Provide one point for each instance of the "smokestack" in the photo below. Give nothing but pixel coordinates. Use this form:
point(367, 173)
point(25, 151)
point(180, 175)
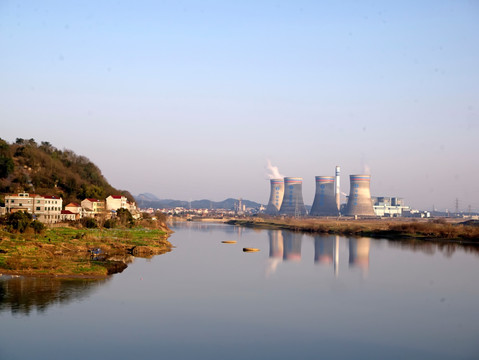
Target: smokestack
point(337, 191)
point(359, 201)
point(276, 197)
point(293, 204)
point(324, 201)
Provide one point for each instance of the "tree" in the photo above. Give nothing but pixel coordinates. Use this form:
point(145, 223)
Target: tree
point(6, 161)
point(124, 216)
point(19, 221)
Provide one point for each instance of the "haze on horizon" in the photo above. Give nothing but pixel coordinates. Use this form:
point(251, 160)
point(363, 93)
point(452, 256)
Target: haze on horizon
point(189, 100)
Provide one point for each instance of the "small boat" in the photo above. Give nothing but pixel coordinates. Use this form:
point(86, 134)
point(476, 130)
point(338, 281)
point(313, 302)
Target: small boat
point(229, 241)
point(250, 249)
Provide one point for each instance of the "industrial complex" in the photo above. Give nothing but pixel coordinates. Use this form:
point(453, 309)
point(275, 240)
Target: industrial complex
point(286, 198)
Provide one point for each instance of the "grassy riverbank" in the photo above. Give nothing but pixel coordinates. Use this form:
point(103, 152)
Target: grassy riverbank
point(394, 228)
point(71, 252)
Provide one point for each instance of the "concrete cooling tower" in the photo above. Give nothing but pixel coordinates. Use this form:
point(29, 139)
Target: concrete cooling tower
point(359, 201)
point(293, 204)
point(276, 197)
point(324, 203)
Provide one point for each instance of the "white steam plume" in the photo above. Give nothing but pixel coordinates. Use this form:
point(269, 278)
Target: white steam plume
point(273, 171)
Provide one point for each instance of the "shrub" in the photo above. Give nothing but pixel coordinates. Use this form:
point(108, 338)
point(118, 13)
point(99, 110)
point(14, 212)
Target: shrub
point(89, 222)
point(109, 224)
point(37, 226)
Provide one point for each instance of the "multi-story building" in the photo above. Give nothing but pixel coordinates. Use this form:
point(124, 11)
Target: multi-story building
point(46, 209)
point(115, 202)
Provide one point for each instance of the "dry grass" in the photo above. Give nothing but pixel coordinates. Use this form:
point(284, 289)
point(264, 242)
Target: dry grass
point(424, 229)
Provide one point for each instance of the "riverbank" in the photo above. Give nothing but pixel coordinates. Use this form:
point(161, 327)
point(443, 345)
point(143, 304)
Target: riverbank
point(467, 232)
point(78, 253)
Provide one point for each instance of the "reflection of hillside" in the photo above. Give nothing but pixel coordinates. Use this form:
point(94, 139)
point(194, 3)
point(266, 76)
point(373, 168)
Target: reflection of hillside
point(430, 247)
point(21, 295)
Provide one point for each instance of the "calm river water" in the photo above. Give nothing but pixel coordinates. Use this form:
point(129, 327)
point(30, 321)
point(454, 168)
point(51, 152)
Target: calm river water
point(300, 297)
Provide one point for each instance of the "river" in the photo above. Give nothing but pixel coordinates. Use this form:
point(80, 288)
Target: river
point(300, 296)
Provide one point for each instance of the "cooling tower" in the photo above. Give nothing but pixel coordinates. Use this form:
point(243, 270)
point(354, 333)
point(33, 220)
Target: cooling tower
point(293, 204)
point(276, 197)
point(359, 201)
point(324, 203)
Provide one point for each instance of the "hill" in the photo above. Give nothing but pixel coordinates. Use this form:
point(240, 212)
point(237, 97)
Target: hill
point(152, 201)
point(46, 170)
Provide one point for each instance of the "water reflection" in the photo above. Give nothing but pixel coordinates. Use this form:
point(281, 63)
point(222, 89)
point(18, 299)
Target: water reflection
point(326, 251)
point(292, 245)
point(22, 295)
point(359, 252)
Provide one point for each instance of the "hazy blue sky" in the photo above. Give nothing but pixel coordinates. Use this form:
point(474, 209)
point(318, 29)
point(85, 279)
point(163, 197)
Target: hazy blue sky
point(188, 99)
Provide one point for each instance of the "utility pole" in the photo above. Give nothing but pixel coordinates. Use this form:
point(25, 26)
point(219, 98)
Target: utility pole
point(457, 206)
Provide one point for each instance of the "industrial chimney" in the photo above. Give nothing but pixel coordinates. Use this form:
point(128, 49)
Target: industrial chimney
point(359, 201)
point(337, 191)
point(293, 204)
point(324, 203)
point(276, 197)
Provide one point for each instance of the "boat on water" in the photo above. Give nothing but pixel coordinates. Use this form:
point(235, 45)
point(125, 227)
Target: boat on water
point(250, 249)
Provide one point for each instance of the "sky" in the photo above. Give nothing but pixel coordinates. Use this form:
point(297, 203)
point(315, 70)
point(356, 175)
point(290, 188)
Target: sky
point(190, 99)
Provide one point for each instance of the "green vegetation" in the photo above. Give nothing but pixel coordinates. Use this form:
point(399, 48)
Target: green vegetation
point(21, 222)
point(392, 229)
point(71, 252)
point(44, 169)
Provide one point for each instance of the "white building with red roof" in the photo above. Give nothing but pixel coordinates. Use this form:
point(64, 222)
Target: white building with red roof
point(115, 202)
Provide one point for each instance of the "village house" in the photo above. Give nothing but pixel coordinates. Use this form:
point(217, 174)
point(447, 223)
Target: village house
point(93, 207)
point(67, 215)
point(76, 209)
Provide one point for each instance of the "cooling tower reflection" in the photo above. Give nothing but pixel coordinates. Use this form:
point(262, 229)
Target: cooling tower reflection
point(292, 245)
point(326, 251)
point(286, 246)
point(359, 252)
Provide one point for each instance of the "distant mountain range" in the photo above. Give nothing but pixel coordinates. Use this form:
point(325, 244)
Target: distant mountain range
point(147, 200)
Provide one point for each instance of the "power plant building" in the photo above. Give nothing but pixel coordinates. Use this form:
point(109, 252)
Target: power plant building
point(324, 203)
point(293, 204)
point(359, 200)
point(276, 197)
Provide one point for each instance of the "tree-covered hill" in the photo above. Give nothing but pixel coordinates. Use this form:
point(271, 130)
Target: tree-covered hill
point(46, 170)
